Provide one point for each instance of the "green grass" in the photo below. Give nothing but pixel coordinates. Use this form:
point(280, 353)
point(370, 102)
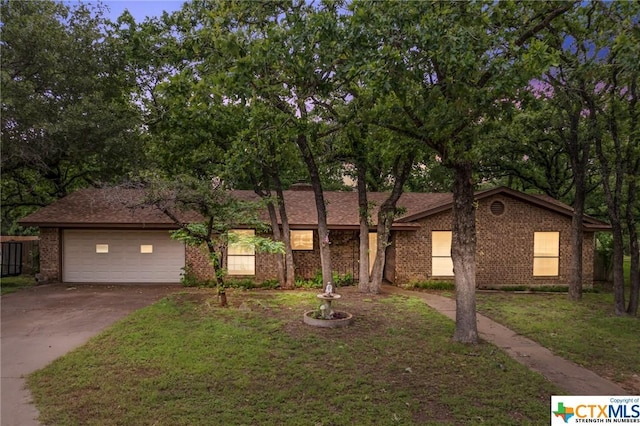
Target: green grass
point(13, 284)
point(432, 285)
point(586, 332)
point(185, 361)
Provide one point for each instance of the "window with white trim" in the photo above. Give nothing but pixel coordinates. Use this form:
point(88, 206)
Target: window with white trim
point(546, 254)
point(102, 248)
point(146, 248)
point(241, 256)
point(441, 263)
point(301, 240)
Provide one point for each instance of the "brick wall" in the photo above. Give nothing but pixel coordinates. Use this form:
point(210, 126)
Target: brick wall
point(413, 249)
point(504, 245)
point(344, 255)
point(197, 262)
point(50, 255)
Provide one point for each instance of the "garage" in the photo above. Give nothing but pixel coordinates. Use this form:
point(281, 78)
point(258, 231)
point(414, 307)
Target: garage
point(110, 256)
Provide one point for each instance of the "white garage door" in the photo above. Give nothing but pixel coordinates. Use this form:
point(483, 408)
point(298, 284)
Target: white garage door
point(121, 257)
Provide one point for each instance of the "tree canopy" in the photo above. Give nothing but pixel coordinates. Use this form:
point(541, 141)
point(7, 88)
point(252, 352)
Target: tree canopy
point(67, 116)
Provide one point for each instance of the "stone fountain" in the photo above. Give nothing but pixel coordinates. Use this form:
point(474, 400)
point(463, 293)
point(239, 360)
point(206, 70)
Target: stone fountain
point(326, 316)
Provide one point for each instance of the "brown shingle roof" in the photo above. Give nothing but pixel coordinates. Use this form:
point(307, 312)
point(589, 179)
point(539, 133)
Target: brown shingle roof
point(104, 207)
point(342, 207)
point(114, 207)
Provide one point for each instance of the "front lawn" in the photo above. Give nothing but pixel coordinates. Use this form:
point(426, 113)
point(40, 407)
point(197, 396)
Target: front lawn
point(585, 332)
point(185, 361)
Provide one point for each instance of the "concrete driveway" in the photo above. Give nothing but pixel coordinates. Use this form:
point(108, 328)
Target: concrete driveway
point(43, 323)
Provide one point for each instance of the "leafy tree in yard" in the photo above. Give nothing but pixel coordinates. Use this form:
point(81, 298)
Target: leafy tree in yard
point(572, 81)
point(613, 113)
point(66, 117)
point(447, 69)
point(263, 155)
point(269, 52)
point(553, 144)
point(220, 212)
point(199, 125)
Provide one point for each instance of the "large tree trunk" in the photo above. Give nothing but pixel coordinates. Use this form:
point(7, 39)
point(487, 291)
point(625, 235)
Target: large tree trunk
point(577, 242)
point(277, 236)
point(262, 189)
point(613, 170)
point(323, 231)
point(386, 215)
point(290, 277)
point(363, 207)
point(613, 198)
point(578, 157)
point(618, 268)
point(463, 251)
point(216, 257)
point(385, 220)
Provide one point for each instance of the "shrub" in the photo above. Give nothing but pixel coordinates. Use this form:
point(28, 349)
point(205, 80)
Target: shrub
point(509, 288)
point(243, 283)
point(271, 284)
point(337, 280)
point(312, 283)
point(342, 280)
point(433, 285)
point(188, 277)
point(551, 288)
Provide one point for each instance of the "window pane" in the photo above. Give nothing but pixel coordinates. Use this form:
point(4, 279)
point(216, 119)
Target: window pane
point(545, 267)
point(242, 248)
point(441, 243)
point(546, 244)
point(102, 248)
point(241, 258)
point(441, 267)
point(241, 265)
point(146, 248)
point(301, 240)
point(373, 247)
point(441, 263)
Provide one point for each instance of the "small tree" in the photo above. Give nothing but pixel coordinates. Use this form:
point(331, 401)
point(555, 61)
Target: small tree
point(218, 213)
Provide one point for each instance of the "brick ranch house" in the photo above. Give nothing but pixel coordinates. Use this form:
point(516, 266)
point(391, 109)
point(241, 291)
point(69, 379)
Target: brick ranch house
point(94, 236)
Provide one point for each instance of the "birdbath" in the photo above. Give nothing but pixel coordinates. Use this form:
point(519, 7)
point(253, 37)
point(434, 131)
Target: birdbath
point(327, 316)
point(327, 297)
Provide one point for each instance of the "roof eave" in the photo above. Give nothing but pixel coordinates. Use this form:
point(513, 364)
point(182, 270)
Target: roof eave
point(77, 225)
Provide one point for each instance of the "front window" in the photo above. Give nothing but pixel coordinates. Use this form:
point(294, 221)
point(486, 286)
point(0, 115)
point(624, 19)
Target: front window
point(546, 254)
point(241, 256)
point(441, 263)
point(301, 240)
point(373, 249)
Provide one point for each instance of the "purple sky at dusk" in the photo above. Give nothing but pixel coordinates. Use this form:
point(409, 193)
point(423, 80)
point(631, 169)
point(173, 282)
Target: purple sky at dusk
point(138, 8)
point(142, 8)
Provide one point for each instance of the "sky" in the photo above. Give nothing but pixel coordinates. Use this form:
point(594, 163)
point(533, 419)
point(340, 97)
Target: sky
point(139, 8)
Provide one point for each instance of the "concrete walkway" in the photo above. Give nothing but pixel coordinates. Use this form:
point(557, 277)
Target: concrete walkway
point(45, 322)
point(575, 380)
